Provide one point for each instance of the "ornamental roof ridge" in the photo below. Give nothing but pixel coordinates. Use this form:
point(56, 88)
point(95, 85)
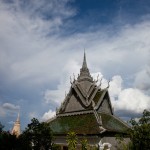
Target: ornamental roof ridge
point(126, 124)
point(75, 113)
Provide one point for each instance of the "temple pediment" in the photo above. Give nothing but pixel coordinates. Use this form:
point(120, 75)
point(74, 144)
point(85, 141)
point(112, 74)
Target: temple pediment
point(85, 94)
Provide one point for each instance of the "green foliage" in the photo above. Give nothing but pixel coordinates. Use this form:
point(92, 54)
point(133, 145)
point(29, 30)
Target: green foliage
point(56, 147)
point(8, 141)
point(38, 135)
point(84, 144)
point(72, 140)
point(1, 127)
point(139, 134)
point(122, 144)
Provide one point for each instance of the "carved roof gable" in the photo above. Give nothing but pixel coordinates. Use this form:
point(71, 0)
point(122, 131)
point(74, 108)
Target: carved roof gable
point(84, 93)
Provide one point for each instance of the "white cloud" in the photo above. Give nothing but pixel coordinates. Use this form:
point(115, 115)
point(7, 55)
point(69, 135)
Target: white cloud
point(127, 100)
point(132, 100)
point(48, 115)
point(11, 107)
point(115, 85)
point(142, 79)
point(24, 39)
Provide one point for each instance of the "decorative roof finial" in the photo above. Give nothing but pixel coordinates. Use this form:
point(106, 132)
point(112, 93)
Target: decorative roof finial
point(108, 84)
point(84, 65)
point(84, 71)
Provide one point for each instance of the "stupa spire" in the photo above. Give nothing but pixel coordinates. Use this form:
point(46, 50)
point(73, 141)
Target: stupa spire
point(16, 127)
point(18, 118)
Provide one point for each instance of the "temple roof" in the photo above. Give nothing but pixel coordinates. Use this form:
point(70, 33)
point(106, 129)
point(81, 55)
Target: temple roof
point(86, 123)
point(87, 108)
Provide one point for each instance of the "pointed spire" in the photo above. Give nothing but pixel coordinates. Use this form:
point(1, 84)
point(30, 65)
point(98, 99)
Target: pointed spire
point(18, 118)
point(84, 65)
point(84, 71)
point(16, 127)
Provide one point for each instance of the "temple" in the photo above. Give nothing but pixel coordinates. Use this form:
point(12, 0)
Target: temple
point(87, 110)
point(16, 127)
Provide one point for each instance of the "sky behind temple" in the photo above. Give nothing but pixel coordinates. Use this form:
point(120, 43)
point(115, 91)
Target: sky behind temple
point(42, 44)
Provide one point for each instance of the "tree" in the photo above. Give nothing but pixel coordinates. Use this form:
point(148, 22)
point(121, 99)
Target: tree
point(7, 141)
point(1, 128)
point(72, 140)
point(140, 132)
point(37, 136)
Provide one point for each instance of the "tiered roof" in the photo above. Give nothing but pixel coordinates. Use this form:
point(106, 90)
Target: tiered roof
point(87, 108)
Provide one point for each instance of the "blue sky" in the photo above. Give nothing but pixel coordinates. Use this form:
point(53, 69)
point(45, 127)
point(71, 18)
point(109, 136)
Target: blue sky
point(42, 44)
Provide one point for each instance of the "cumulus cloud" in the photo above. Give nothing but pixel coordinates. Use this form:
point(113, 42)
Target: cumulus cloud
point(133, 100)
point(48, 115)
point(127, 101)
point(115, 85)
point(10, 106)
point(142, 79)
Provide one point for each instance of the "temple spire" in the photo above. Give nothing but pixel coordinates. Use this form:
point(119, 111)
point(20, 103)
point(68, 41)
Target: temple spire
point(18, 118)
point(16, 127)
point(84, 65)
point(84, 71)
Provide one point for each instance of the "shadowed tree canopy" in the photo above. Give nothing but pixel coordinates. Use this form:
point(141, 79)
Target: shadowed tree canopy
point(38, 135)
point(140, 132)
point(1, 127)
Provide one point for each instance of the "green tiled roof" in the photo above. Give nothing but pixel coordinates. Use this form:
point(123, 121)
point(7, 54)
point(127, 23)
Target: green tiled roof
point(81, 124)
point(86, 124)
point(113, 123)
